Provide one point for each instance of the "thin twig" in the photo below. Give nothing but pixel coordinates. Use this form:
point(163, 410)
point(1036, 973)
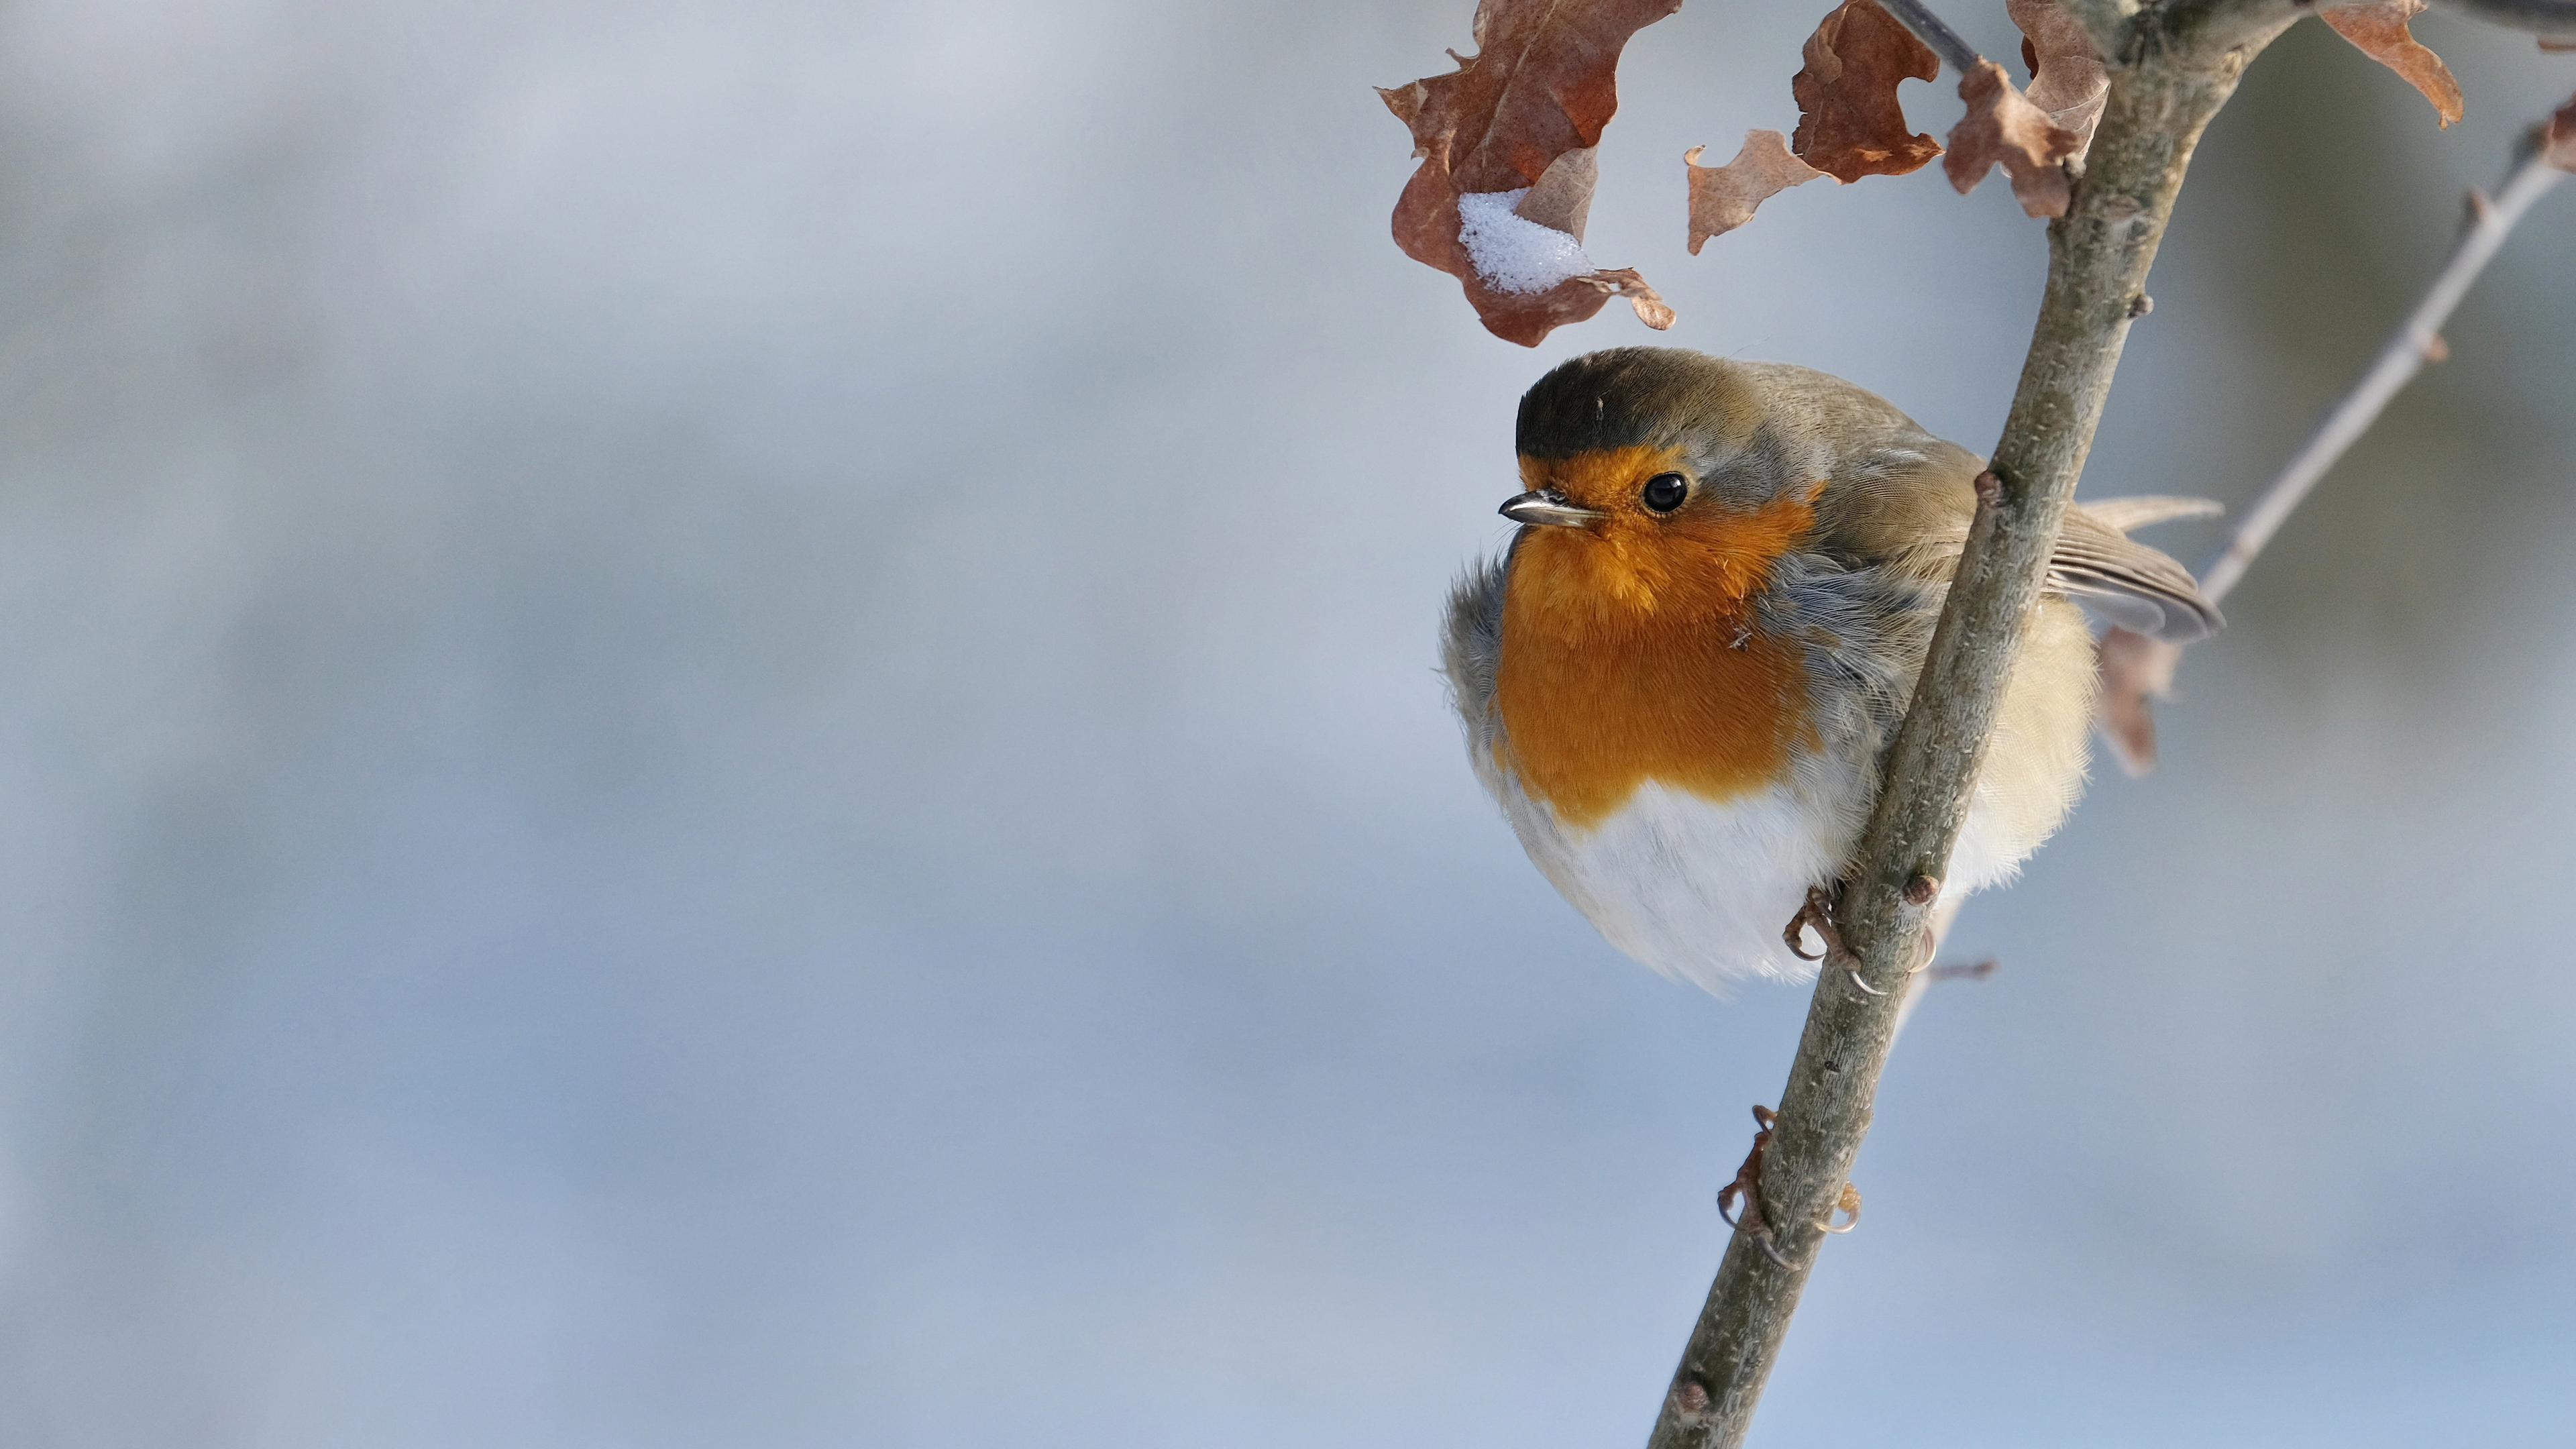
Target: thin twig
point(2542, 17)
point(2214, 25)
point(1929, 28)
point(2417, 340)
point(2137, 670)
point(2099, 254)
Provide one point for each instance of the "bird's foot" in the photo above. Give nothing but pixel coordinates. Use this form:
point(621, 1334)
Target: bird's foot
point(1817, 915)
point(1849, 1206)
point(1747, 1188)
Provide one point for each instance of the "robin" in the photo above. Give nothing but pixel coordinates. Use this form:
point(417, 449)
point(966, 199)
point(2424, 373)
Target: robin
point(1680, 678)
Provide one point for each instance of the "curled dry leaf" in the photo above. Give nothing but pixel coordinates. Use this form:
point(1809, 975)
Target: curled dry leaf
point(1722, 198)
point(2135, 670)
point(1506, 176)
point(2002, 128)
point(1849, 123)
point(2380, 30)
point(2068, 79)
point(2560, 136)
point(1649, 305)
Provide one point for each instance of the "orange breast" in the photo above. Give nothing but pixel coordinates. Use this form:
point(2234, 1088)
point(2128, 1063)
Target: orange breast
point(1630, 654)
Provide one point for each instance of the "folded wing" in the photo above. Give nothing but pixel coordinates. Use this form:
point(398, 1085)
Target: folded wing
point(2136, 587)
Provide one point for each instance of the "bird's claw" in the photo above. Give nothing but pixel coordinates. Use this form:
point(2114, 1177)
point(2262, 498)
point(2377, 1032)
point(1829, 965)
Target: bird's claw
point(1747, 1189)
point(1816, 915)
point(1849, 1206)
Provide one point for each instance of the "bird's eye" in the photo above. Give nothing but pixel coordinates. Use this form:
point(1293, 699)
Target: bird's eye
point(1665, 491)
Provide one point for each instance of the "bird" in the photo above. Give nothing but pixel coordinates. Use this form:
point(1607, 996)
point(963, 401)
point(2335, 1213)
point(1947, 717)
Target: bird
point(1681, 677)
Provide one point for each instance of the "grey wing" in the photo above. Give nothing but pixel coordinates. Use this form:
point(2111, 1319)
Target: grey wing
point(2141, 589)
point(1471, 646)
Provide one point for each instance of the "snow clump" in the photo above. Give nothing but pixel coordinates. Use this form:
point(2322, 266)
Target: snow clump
point(1512, 253)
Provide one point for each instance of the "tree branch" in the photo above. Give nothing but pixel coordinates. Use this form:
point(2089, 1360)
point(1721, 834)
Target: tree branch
point(2111, 23)
point(2136, 669)
point(2209, 27)
point(1933, 31)
point(2416, 341)
point(2541, 17)
point(2099, 253)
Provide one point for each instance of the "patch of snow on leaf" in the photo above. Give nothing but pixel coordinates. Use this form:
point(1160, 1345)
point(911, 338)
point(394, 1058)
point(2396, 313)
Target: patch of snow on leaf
point(1512, 253)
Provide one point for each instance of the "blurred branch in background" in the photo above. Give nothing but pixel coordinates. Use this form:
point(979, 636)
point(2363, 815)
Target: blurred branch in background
point(2137, 670)
point(2549, 19)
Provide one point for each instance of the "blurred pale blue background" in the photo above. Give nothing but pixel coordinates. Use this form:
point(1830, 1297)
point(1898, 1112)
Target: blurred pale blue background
point(719, 731)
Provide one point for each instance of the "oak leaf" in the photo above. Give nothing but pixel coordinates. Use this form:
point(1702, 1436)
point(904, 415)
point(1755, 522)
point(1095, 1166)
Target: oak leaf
point(1849, 122)
point(1722, 198)
point(2135, 670)
point(1506, 143)
point(2002, 128)
point(2068, 79)
point(2379, 29)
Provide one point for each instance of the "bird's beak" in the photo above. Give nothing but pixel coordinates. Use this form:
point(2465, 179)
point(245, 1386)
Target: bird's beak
point(1547, 506)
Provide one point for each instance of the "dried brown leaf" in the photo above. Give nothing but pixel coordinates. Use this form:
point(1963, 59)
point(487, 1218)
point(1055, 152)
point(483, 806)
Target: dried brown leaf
point(2379, 29)
point(1562, 198)
point(2560, 138)
point(1849, 122)
point(1648, 304)
point(2002, 128)
point(1722, 198)
point(1522, 114)
point(2135, 670)
point(2068, 79)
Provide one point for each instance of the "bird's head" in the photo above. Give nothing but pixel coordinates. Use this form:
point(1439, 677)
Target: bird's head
point(1662, 483)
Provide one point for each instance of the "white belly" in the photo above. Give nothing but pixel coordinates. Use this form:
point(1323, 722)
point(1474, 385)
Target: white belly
point(1701, 890)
